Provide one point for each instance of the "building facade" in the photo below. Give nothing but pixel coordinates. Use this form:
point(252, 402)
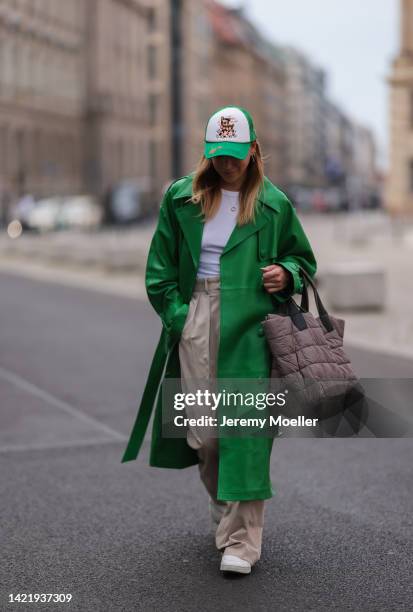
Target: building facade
point(42, 96)
point(196, 85)
point(305, 121)
point(119, 65)
point(363, 185)
point(95, 92)
point(84, 96)
point(399, 189)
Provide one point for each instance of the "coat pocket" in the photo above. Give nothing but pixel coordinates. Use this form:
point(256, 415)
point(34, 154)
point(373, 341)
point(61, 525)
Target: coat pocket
point(186, 331)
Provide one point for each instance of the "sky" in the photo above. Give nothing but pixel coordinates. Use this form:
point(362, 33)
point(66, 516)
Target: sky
point(354, 41)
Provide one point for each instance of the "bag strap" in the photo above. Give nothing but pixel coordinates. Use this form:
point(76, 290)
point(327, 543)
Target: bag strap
point(322, 312)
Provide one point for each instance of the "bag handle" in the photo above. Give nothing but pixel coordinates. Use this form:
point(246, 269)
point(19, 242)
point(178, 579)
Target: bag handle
point(295, 311)
point(322, 312)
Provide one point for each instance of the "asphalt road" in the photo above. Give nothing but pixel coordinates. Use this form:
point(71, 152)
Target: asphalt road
point(73, 362)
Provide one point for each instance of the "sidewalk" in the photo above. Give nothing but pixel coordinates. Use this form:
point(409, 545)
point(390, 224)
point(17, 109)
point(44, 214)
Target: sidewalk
point(370, 237)
point(114, 261)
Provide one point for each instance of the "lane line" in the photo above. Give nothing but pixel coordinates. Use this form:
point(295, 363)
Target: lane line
point(21, 448)
point(47, 397)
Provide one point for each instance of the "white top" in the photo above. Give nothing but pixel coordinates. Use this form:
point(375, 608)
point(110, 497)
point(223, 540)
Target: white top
point(216, 234)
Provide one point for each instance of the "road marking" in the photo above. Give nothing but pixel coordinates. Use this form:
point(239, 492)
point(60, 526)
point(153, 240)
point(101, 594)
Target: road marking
point(47, 397)
point(21, 448)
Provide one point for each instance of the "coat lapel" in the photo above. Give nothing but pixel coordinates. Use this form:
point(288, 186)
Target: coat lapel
point(192, 222)
point(241, 232)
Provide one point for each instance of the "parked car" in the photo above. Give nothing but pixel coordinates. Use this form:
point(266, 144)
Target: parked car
point(81, 211)
point(45, 214)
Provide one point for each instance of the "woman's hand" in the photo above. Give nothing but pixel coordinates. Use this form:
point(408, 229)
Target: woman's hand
point(275, 278)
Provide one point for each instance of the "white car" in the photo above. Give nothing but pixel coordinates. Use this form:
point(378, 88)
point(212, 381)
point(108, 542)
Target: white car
point(50, 214)
point(45, 214)
point(81, 211)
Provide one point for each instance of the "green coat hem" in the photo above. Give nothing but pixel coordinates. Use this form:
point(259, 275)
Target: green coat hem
point(241, 495)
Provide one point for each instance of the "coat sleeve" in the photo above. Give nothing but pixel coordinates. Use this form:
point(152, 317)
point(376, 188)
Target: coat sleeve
point(294, 252)
point(161, 275)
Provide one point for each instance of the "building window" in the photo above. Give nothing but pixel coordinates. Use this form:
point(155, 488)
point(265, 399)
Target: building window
point(151, 62)
point(152, 159)
point(411, 108)
point(152, 108)
point(411, 176)
point(151, 19)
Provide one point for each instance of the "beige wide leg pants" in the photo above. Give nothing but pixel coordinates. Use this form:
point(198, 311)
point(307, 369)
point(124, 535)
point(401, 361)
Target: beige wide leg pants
point(240, 529)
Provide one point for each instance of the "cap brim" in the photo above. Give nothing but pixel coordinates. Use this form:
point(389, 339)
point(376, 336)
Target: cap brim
point(234, 149)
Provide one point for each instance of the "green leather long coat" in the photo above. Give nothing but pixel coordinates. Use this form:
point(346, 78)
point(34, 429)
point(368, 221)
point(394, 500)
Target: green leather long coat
point(276, 236)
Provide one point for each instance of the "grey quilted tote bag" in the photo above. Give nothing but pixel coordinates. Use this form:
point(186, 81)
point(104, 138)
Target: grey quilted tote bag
point(308, 359)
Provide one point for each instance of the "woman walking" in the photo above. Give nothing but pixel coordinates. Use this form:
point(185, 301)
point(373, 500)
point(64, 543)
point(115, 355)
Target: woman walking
point(227, 250)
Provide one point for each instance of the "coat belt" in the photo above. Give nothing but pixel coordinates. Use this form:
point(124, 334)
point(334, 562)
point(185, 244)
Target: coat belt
point(148, 400)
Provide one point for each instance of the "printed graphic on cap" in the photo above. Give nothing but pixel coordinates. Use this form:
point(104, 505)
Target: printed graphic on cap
point(228, 124)
point(226, 128)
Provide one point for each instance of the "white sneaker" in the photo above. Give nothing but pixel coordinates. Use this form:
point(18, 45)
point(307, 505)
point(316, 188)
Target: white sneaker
point(216, 511)
point(231, 563)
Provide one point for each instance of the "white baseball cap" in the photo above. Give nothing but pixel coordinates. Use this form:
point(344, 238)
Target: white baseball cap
point(229, 131)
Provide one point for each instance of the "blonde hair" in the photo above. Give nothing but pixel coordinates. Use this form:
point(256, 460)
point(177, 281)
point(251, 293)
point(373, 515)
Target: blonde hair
point(206, 189)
